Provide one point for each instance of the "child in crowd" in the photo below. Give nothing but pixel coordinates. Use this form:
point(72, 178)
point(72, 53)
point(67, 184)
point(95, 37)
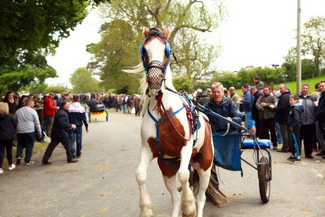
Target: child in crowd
point(294, 121)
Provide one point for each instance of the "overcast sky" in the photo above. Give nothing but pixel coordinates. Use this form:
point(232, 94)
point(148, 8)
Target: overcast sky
point(257, 32)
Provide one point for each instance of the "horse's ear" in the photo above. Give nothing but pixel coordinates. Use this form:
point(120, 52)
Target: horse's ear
point(166, 32)
point(146, 31)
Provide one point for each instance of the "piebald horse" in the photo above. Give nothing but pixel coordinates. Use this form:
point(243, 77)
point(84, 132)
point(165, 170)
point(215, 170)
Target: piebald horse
point(166, 133)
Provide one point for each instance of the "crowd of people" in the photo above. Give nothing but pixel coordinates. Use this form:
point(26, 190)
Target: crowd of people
point(277, 115)
point(55, 116)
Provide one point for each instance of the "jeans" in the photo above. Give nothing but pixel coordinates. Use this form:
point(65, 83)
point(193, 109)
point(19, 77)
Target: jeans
point(279, 137)
point(124, 109)
point(76, 135)
point(25, 140)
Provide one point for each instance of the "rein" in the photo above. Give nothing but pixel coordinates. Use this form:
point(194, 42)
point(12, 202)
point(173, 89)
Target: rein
point(158, 122)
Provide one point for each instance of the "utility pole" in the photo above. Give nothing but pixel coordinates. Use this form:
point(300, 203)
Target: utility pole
point(298, 68)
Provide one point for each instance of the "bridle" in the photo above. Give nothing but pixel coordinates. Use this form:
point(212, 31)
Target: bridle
point(155, 70)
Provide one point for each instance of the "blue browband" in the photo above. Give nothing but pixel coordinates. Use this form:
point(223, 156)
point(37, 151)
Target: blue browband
point(154, 31)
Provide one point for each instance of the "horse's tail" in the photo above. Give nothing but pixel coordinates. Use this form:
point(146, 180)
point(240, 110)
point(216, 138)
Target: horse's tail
point(213, 194)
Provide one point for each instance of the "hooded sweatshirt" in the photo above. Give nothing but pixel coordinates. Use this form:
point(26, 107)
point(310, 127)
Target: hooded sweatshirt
point(77, 115)
point(295, 115)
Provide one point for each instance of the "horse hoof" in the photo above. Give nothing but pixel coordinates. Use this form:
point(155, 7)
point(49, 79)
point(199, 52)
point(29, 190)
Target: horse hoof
point(192, 215)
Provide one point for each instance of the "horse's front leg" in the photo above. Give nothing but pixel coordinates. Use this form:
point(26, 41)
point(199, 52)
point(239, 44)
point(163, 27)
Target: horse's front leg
point(169, 174)
point(188, 201)
point(141, 176)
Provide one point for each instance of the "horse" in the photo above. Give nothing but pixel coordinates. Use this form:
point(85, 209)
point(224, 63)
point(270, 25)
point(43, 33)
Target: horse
point(168, 132)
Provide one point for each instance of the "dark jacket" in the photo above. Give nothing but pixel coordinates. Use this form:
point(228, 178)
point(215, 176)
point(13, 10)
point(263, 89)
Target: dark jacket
point(309, 109)
point(13, 107)
point(295, 115)
point(61, 125)
point(227, 108)
point(7, 126)
point(282, 109)
point(92, 105)
point(255, 111)
point(320, 114)
point(203, 99)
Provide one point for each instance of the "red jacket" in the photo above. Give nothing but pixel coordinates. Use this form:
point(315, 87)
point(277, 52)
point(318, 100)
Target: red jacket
point(49, 107)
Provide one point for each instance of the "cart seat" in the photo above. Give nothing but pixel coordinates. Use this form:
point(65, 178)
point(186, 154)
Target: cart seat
point(249, 143)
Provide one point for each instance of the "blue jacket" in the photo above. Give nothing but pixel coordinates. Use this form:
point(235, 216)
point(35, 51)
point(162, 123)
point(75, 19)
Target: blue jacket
point(248, 101)
point(77, 115)
point(227, 108)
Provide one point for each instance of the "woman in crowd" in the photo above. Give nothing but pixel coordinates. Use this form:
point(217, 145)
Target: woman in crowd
point(9, 98)
point(7, 129)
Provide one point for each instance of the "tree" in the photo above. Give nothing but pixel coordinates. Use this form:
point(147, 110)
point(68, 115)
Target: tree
point(59, 88)
point(313, 41)
point(29, 31)
point(82, 81)
point(183, 83)
point(31, 25)
point(112, 54)
point(188, 20)
point(17, 71)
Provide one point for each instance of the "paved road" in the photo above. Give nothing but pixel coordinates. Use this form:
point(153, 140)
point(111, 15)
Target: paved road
point(103, 182)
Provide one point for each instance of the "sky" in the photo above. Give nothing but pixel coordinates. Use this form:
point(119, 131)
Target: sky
point(256, 32)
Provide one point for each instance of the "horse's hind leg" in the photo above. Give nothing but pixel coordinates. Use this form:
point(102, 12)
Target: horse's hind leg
point(141, 176)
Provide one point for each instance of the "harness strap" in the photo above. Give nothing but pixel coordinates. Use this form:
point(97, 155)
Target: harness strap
point(157, 130)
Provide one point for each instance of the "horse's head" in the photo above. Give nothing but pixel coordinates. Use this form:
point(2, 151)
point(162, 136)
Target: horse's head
point(155, 52)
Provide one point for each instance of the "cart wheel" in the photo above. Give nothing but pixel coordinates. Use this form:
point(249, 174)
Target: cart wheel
point(106, 116)
point(89, 117)
point(264, 179)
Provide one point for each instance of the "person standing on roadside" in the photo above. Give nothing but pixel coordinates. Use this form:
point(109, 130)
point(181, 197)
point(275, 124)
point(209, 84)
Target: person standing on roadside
point(247, 101)
point(264, 104)
point(307, 132)
point(60, 133)
point(7, 132)
point(27, 123)
point(258, 83)
point(255, 112)
point(234, 96)
point(77, 116)
point(49, 113)
point(294, 122)
point(9, 98)
point(281, 116)
point(320, 114)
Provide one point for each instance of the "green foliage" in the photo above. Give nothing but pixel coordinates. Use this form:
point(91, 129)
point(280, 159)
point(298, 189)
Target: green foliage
point(29, 31)
point(31, 25)
point(82, 81)
point(60, 88)
point(36, 87)
point(114, 53)
point(313, 40)
point(18, 71)
point(183, 83)
point(187, 22)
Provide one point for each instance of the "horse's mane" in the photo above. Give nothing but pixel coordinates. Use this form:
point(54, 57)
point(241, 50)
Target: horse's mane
point(138, 69)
